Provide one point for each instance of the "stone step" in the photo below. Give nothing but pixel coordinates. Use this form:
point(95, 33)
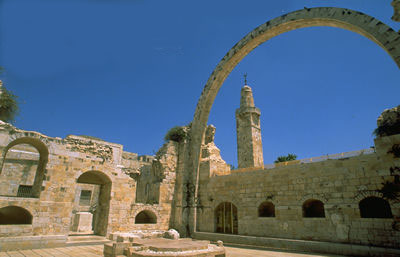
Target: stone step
point(81, 233)
point(78, 240)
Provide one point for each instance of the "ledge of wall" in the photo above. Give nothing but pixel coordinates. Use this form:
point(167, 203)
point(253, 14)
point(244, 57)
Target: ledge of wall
point(299, 245)
point(31, 242)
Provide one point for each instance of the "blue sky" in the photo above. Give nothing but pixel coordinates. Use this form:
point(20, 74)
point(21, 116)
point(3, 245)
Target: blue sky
point(128, 70)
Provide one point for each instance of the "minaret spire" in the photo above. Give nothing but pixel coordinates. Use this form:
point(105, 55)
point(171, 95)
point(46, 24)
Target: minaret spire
point(249, 143)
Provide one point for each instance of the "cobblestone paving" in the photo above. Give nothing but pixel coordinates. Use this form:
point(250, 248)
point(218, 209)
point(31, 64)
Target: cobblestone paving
point(97, 250)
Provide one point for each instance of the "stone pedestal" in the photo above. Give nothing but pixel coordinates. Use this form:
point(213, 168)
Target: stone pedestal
point(83, 222)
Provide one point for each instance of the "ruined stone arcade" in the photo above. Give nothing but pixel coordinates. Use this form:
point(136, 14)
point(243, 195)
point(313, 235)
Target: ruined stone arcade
point(52, 187)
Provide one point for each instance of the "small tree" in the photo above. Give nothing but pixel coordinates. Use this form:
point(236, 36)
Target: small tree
point(177, 134)
point(8, 105)
point(287, 158)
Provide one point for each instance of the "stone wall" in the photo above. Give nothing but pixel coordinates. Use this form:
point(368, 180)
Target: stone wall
point(66, 166)
point(339, 184)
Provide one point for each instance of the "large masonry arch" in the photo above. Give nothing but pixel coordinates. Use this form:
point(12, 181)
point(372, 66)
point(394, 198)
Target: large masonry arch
point(355, 21)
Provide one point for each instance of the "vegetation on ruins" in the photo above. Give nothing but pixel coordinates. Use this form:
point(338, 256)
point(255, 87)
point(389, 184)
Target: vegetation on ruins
point(8, 105)
point(286, 158)
point(390, 190)
point(177, 134)
point(388, 123)
point(388, 129)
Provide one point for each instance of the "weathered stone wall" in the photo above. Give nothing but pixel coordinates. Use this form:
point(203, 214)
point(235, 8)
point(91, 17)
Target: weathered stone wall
point(156, 185)
point(62, 162)
point(340, 184)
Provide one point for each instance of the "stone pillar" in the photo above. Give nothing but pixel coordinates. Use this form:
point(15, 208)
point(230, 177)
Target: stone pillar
point(248, 130)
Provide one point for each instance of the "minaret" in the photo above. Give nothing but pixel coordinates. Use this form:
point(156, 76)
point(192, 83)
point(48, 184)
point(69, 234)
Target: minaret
point(248, 130)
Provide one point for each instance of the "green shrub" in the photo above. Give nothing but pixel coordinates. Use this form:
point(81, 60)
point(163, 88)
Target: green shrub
point(177, 134)
point(287, 158)
point(8, 105)
point(387, 129)
point(388, 123)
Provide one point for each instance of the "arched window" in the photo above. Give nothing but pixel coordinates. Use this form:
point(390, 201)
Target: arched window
point(146, 217)
point(375, 207)
point(266, 209)
point(313, 209)
point(23, 163)
point(14, 215)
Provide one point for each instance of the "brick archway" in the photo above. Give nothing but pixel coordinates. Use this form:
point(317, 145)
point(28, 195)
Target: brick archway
point(355, 21)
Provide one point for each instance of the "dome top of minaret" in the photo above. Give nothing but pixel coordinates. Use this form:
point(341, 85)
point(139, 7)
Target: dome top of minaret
point(246, 95)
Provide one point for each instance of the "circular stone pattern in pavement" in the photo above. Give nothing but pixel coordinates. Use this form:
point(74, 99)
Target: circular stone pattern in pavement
point(171, 248)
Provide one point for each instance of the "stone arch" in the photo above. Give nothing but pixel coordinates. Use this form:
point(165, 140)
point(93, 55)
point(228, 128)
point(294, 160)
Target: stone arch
point(102, 209)
point(362, 194)
point(320, 197)
point(146, 217)
point(220, 199)
point(94, 177)
point(149, 208)
point(355, 21)
point(15, 215)
point(43, 159)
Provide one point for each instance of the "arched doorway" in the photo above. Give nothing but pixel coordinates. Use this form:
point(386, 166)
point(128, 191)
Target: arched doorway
point(355, 21)
point(226, 218)
point(92, 203)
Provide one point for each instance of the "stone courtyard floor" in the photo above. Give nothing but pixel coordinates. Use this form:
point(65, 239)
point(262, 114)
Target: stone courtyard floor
point(97, 250)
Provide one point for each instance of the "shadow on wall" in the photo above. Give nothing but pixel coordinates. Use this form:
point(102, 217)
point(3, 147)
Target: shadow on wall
point(14, 215)
point(146, 217)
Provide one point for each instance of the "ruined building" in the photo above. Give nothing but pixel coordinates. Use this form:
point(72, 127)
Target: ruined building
point(345, 203)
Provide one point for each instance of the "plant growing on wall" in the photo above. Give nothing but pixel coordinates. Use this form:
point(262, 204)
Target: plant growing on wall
point(395, 150)
point(388, 123)
point(177, 134)
point(286, 158)
point(390, 190)
point(8, 105)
